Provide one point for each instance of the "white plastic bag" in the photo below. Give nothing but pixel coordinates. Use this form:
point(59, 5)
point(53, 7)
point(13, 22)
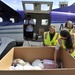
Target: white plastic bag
point(38, 63)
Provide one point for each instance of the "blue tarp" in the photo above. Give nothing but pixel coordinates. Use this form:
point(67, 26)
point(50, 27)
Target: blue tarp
point(63, 14)
point(70, 9)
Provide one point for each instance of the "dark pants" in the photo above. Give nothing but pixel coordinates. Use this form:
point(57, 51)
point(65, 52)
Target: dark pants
point(28, 35)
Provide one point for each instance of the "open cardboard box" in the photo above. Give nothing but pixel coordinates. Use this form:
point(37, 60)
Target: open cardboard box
point(30, 54)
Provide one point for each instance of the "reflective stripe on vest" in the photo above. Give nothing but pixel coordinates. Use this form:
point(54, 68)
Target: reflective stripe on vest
point(45, 35)
point(57, 36)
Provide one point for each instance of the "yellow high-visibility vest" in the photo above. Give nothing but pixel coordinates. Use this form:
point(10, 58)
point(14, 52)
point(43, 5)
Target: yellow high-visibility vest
point(72, 31)
point(60, 43)
point(47, 39)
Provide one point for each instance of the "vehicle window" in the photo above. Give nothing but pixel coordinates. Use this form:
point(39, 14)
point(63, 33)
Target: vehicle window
point(44, 22)
point(12, 20)
point(29, 6)
point(45, 7)
point(1, 20)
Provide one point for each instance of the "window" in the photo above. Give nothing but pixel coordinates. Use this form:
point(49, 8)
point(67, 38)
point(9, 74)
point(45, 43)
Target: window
point(12, 20)
point(1, 20)
point(29, 6)
point(45, 7)
point(33, 20)
point(44, 22)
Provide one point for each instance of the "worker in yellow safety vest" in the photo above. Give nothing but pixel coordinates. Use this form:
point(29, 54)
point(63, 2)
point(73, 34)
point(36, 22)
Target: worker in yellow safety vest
point(50, 37)
point(67, 42)
point(69, 25)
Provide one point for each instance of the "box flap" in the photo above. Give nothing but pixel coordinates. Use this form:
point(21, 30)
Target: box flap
point(67, 60)
point(6, 61)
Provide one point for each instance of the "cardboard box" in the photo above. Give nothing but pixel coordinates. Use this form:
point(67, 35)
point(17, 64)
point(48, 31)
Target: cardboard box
point(30, 54)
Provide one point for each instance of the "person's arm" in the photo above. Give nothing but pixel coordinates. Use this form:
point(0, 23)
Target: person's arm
point(32, 22)
point(25, 24)
point(55, 58)
point(55, 55)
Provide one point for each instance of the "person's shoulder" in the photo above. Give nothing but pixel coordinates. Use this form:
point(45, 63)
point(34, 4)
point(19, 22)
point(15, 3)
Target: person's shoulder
point(57, 34)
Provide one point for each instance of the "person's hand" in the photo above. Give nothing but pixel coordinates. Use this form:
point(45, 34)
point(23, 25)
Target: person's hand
point(55, 65)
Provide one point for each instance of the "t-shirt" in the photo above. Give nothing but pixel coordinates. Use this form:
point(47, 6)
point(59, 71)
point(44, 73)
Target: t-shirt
point(51, 36)
point(29, 28)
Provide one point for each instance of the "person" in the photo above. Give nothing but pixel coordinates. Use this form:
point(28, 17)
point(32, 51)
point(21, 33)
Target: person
point(66, 41)
point(29, 24)
point(69, 25)
point(50, 37)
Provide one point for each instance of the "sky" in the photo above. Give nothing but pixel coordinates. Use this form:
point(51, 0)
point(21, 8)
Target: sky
point(17, 4)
